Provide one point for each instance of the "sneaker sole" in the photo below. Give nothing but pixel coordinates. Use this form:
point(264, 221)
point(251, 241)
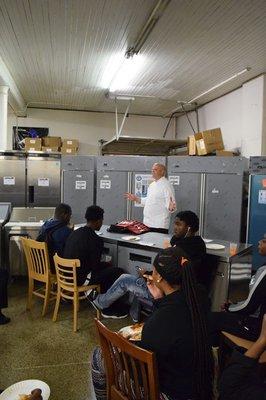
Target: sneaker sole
point(114, 316)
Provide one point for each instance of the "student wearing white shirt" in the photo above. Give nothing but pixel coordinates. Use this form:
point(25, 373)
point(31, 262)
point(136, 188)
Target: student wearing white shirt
point(160, 200)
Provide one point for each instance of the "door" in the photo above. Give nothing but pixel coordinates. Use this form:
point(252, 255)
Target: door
point(222, 206)
point(13, 180)
point(187, 186)
point(139, 187)
point(111, 186)
point(78, 192)
point(43, 183)
point(257, 216)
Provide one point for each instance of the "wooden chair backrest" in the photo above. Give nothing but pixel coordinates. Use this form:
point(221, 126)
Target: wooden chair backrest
point(131, 371)
point(66, 272)
point(37, 258)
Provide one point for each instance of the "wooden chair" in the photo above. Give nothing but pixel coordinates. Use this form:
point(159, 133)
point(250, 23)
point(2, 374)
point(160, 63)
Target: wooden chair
point(38, 264)
point(67, 287)
point(131, 371)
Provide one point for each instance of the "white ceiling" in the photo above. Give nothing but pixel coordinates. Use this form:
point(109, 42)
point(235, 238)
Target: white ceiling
point(58, 51)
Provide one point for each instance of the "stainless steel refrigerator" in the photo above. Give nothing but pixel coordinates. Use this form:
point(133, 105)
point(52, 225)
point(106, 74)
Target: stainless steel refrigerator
point(117, 175)
point(13, 178)
point(78, 184)
point(257, 207)
point(212, 187)
point(43, 180)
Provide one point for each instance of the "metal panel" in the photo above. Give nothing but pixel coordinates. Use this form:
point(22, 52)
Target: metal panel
point(111, 186)
point(77, 191)
point(222, 207)
point(13, 180)
point(128, 163)
point(210, 164)
point(129, 259)
point(77, 163)
point(43, 183)
point(187, 193)
point(257, 216)
point(136, 210)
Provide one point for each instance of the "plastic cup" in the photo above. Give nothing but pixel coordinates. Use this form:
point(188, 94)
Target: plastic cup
point(233, 249)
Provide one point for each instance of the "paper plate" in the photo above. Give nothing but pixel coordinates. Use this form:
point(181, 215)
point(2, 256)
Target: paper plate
point(25, 387)
point(215, 246)
point(133, 238)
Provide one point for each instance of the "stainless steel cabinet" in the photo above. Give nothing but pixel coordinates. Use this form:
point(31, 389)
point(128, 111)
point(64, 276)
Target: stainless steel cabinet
point(43, 181)
point(120, 174)
point(13, 179)
point(212, 187)
point(78, 177)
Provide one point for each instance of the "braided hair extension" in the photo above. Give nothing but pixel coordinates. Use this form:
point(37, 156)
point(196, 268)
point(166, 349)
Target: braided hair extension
point(169, 264)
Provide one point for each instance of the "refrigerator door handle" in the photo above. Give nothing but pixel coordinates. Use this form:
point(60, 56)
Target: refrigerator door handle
point(129, 187)
point(31, 194)
point(202, 203)
point(248, 210)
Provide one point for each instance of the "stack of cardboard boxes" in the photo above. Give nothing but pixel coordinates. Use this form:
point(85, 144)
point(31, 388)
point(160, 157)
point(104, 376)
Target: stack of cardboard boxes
point(207, 142)
point(70, 146)
point(52, 144)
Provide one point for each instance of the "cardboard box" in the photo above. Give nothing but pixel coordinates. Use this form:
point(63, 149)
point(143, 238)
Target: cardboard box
point(52, 141)
point(224, 153)
point(74, 143)
point(33, 144)
point(49, 149)
point(69, 150)
point(209, 141)
point(191, 144)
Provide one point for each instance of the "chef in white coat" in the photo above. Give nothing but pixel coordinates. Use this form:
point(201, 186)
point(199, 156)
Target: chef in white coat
point(160, 200)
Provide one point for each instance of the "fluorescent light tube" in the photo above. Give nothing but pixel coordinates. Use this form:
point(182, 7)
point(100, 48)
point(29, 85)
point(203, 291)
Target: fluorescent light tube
point(126, 73)
point(220, 84)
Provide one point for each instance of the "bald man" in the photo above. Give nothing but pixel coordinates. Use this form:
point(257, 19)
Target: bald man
point(160, 201)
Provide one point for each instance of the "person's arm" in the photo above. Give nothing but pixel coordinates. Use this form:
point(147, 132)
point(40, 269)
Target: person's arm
point(132, 197)
point(240, 381)
point(169, 197)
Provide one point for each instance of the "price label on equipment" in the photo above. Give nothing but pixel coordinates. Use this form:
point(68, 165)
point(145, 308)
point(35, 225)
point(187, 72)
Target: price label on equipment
point(9, 180)
point(105, 184)
point(43, 182)
point(174, 180)
point(80, 185)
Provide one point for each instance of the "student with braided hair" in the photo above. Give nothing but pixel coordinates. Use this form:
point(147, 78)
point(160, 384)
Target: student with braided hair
point(176, 332)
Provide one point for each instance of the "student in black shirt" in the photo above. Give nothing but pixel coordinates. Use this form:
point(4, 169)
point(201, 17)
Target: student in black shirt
point(240, 380)
point(176, 332)
point(3, 296)
point(85, 245)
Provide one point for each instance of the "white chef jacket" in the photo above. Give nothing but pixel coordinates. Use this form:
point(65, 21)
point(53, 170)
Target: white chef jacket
point(156, 204)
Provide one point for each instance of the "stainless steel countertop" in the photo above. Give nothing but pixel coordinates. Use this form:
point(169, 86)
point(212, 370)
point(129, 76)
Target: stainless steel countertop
point(154, 241)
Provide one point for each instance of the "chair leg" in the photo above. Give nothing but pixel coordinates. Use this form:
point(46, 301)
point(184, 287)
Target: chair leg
point(57, 303)
point(75, 303)
point(30, 294)
point(46, 298)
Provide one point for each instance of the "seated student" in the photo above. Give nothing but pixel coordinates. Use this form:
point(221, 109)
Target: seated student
point(193, 246)
point(56, 230)
point(244, 319)
point(240, 380)
point(85, 245)
point(176, 332)
point(3, 296)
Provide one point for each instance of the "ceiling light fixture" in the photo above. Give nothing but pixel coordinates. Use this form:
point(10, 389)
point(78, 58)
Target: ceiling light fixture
point(126, 73)
point(209, 90)
point(220, 84)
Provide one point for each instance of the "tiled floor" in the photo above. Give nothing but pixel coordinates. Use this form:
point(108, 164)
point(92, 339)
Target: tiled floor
point(33, 347)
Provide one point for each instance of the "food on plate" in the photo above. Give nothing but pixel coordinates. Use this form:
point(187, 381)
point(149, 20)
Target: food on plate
point(132, 332)
point(36, 394)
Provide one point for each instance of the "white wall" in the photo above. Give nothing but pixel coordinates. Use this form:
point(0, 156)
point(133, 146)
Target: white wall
point(241, 115)
point(87, 127)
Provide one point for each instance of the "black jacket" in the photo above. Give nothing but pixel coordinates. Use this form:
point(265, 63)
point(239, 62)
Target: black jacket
point(168, 332)
point(204, 265)
point(240, 380)
point(87, 246)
